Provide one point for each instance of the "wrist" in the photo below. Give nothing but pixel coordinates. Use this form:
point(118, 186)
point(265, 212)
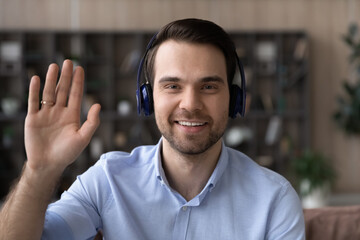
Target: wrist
point(40, 181)
point(42, 167)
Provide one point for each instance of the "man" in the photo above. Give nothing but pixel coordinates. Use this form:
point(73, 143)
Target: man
point(188, 186)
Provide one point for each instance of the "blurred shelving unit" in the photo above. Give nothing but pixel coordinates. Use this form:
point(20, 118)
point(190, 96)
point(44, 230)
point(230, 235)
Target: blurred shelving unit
point(275, 128)
point(277, 123)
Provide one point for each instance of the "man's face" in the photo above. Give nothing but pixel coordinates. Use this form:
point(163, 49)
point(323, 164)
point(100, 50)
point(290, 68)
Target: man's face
point(191, 95)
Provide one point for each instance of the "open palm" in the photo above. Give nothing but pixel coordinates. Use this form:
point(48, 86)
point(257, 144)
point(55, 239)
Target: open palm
point(54, 136)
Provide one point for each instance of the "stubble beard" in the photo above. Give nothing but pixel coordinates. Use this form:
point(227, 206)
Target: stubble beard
point(191, 144)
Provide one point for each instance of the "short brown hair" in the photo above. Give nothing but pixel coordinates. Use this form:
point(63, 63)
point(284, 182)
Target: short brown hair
point(193, 31)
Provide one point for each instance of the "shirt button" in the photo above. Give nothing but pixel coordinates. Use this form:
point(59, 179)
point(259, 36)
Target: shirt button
point(184, 208)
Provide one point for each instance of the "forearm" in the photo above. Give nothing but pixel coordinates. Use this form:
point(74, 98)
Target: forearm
point(22, 215)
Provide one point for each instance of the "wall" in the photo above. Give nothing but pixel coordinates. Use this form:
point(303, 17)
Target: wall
point(324, 20)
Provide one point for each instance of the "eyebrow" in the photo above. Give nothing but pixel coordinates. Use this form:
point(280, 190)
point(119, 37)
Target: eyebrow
point(214, 78)
point(169, 79)
point(207, 79)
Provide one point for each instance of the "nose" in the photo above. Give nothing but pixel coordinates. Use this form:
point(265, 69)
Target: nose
point(191, 101)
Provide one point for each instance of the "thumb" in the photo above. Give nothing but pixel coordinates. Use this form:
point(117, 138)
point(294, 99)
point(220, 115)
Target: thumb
point(90, 125)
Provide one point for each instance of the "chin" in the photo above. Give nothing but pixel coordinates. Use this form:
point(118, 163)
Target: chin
point(190, 146)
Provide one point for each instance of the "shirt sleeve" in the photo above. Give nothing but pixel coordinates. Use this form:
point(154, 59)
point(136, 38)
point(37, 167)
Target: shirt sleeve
point(55, 228)
point(286, 219)
point(77, 214)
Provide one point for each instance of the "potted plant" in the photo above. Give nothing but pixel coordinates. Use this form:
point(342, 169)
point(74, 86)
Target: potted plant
point(347, 116)
point(315, 175)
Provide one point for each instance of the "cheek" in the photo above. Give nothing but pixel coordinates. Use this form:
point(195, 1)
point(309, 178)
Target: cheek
point(162, 105)
point(219, 106)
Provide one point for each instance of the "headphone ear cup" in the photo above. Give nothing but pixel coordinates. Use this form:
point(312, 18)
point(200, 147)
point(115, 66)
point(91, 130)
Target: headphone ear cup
point(146, 96)
point(235, 105)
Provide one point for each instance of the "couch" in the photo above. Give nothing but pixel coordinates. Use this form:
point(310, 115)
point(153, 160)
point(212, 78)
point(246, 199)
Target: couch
point(333, 223)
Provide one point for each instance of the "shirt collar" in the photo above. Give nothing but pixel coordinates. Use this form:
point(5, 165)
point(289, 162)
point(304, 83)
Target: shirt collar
point(220, 167)
point(159, 170)
point(214, 178)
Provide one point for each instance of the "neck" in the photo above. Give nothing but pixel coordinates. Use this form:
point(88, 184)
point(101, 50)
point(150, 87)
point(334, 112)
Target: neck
point(188, 174)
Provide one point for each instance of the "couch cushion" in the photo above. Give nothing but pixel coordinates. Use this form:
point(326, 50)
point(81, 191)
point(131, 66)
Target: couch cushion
point(333, 223)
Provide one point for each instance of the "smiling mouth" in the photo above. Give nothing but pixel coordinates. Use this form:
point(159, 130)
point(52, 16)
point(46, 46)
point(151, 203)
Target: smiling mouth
point(191, 124)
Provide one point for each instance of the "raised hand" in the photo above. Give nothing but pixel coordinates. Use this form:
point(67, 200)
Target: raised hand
point(54, 137)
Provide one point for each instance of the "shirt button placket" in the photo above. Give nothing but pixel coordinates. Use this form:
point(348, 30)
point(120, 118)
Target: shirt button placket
point(181, 223)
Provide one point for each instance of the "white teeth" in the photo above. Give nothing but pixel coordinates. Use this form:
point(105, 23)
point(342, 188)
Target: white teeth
point(190, 124)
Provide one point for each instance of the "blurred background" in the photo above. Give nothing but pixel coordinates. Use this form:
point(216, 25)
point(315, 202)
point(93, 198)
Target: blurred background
point(301, 59)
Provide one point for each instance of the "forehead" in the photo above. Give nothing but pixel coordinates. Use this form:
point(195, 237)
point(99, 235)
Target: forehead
point(189, 60)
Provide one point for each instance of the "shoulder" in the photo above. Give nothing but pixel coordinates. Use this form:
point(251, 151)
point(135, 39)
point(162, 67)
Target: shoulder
point(112, 169)
point(266, 192)
point(251, 172)
point(267, 187)
point(136, 158)
point(111, 165)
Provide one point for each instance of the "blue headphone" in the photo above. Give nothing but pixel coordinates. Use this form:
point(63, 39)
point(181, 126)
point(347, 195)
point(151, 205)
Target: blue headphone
point(144, 91)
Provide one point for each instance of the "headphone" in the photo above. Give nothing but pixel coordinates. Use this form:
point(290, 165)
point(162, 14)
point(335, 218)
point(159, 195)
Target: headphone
point(144, 91)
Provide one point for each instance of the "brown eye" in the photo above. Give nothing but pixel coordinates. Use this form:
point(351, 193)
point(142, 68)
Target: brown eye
point(208, 87)
point(172, 86)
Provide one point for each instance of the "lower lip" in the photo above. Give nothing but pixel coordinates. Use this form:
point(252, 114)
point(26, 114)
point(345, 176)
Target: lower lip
point(191, 129)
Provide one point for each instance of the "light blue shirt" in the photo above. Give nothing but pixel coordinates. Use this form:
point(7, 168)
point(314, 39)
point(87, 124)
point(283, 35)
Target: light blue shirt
point(128, 197)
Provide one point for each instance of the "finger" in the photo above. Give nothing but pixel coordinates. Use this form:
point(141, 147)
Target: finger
point(76, 90)
point(50, 83)
point(34, 89)
point(62, 89)
point(89, 127)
